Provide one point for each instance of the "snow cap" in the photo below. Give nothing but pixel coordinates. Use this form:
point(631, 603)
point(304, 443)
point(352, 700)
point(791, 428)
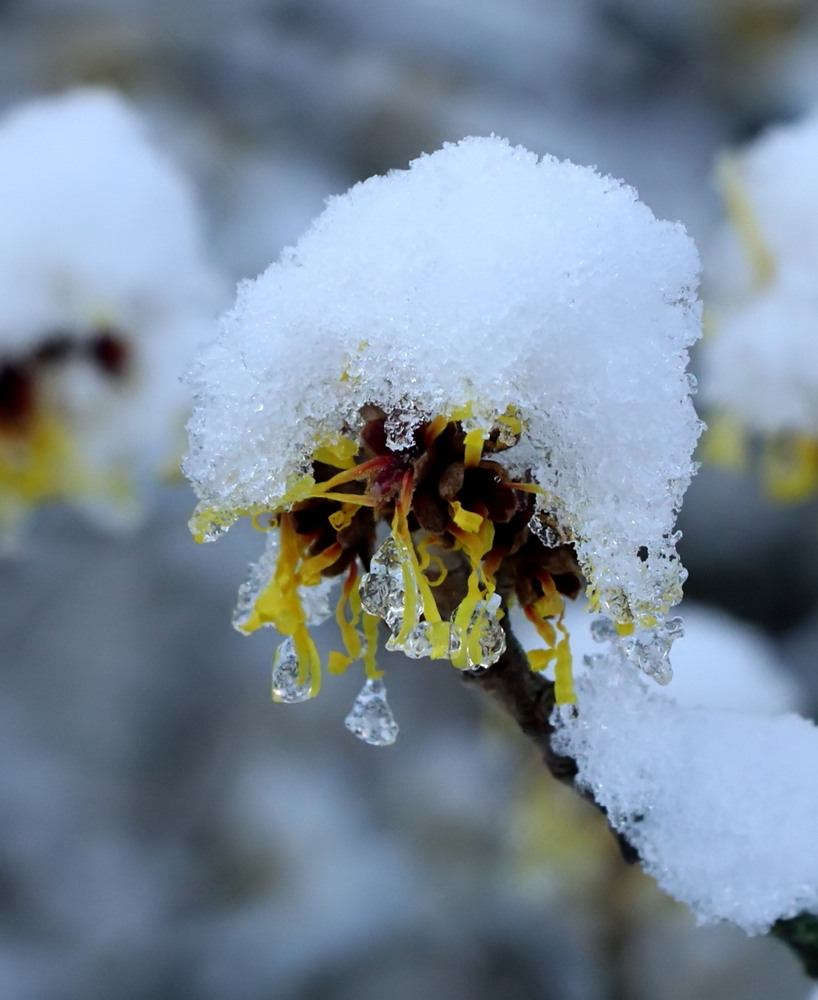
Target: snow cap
point(480, 281)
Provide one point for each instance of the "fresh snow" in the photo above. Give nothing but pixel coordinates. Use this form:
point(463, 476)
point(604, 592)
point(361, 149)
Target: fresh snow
point(481, 275)
point(722, 806)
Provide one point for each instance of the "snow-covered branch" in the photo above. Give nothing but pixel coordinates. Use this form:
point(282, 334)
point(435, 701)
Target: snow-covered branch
point(464, 390)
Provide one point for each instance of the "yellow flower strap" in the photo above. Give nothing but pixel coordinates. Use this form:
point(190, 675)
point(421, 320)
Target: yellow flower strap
point(552, 605)
point(349, 615)
point(418, 597)
point(789, 467)
point(744, 220)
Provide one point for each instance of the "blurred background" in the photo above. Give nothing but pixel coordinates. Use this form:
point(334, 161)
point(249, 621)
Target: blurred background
point(166, 832)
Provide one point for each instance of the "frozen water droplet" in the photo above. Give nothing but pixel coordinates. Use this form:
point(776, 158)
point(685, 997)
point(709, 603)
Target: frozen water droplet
point(285, 675)
point(213, 531)
point(649, 650)
point(417, 644)
point(382, 588)
point(371, 718)
point(419, 641)
point(548, 532)
point(693, 383)
point(492, 641)
point(673, 628)
point(603, 630)
point(652, 659)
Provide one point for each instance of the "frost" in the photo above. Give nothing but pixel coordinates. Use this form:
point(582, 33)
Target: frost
point(480, 277)
point(104, 293)
point(721, 806)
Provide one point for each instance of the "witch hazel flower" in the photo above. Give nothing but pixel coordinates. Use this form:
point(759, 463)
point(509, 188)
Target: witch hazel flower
point(104, 291)
point(465, 387)
point(760, 367)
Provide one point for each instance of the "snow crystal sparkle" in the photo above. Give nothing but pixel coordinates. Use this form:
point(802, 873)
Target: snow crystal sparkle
point(485, 354)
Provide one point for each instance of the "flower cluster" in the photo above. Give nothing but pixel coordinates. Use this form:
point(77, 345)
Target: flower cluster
point(103, 293)
point(464, 539)
point(464, 388)
point(760, 367)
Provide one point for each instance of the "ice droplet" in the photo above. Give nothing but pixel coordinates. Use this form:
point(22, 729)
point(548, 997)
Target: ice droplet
point(491, 637)
point(551, 535)
point(652, 658)
point(285, 675)
point(649, 649)
point(419, 641)
point(382, 588)
point(213, 531)
point(371, 718)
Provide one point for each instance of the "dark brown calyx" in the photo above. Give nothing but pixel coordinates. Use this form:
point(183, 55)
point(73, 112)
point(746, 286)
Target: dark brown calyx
point(442, 489)
point(109, 351)
point(17, 397)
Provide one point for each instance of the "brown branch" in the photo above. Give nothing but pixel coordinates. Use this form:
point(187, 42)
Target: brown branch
point(527, 697)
